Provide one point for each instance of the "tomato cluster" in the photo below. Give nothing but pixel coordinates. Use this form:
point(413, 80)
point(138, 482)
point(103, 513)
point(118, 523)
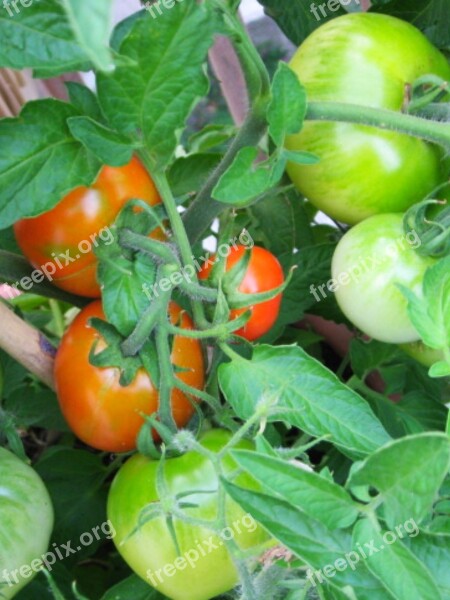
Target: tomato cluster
point(368, 177)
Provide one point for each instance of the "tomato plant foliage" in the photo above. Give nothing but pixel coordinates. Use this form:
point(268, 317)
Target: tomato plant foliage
point(223, 426)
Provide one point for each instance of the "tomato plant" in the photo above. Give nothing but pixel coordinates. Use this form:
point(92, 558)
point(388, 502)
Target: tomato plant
point(102, 412)
point(370, 60)
point(204, 568)
point(214, 382)
point(63, 239)
point(370, 262)
point(263, 273)
point(26, 516)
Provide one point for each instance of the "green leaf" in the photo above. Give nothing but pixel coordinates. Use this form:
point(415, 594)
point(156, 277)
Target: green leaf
point(309, 540)
point(40, 161)
point(430, 314)
point(430, 16)
point(287, 108)
point(316, 400)
point(40, 37)
point(300, 158)
point(313, 268)
point(133, 587)
point(407, 473)
point(187, 174)
point(153, 97)
point(245, 180)
point(369, 356)
point(297, 19)
point(122, 282)
point(90, 24)
point(433, 550)
point(274, 213)
point(319, 498)
point(84, 100)
point(108, 146)
point(401, 573)
point(75, 474)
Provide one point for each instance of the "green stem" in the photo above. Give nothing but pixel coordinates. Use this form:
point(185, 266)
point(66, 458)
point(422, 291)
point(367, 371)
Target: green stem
point(205, 209)
point(58, 317)
point(431, 131)
point(179, 233)
point(144, 327)
point(165, 366)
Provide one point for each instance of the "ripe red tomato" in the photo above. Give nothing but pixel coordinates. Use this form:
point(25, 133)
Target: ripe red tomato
point(101, 412)
point(264, 273)
point(63, 238)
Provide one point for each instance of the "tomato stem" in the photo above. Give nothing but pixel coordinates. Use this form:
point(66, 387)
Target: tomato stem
point(431, 131)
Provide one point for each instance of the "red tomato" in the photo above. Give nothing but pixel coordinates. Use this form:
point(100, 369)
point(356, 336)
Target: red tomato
point(264, 273)
point(63, 238)
point(101, 412)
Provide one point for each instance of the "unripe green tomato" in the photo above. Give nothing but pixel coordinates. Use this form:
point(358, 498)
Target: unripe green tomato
point(365, 59)
point(26, 523)
point(368, 263)
point(203, 569)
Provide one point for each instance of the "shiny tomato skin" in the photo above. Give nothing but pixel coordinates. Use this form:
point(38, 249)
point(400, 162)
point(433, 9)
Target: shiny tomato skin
point(365, 59)
point(151, 549)
point(368, 263)
point(76, 219)
point(264, 273)
point(26, 518)
point(101, 412)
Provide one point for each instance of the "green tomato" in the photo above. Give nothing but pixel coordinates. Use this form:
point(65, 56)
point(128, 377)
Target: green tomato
point(365, 59)
point(203, 569)
point(424, 354)
point(26, 523)
point(368, 263)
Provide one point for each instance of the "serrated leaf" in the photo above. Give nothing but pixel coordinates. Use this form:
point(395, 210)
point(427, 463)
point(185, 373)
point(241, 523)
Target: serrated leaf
point(189, 173)
point(90, 25)
point(40, 161)
point(401, 573)
point(309, 540)
point(433, 550)
point(123, 298)
point(430, 314)
point(316, 400)
point(108, 146)
point(368, 356)
point(153, 97)
point(84, 101)
point(245, 180)
point(407, 473)
point(40, 37)
point(313, 267)
point(319, 498)
point(287, 108)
